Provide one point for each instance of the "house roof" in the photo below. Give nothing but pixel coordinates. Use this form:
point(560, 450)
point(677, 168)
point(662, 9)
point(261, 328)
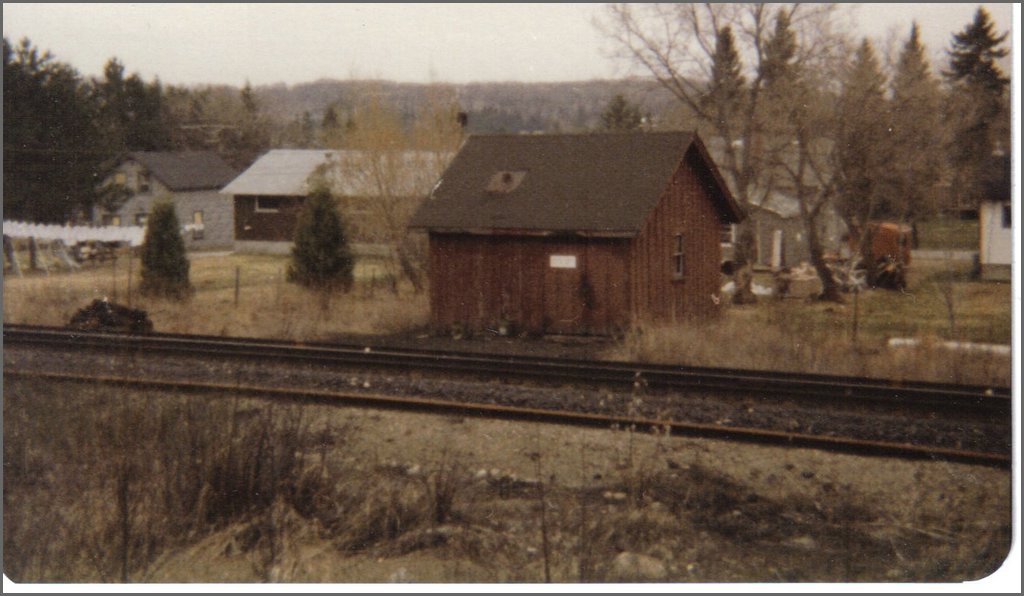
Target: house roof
point(281, 172)
point(286, 172)
point(778, 202)
point(599, 182)
point(185, 170)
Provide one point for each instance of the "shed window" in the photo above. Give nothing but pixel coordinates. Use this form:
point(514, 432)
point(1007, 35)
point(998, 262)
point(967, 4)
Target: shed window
point(505, 181)
point(726, 234)
point(268, 204)
point(1007, 216)
point(677, 257)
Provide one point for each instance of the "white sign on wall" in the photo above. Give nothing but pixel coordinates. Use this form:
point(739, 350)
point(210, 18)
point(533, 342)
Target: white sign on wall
point(563, 261)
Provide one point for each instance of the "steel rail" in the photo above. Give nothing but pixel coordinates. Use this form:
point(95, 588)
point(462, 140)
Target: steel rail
point(515, 413)
point(766, 384)
point(866, 383)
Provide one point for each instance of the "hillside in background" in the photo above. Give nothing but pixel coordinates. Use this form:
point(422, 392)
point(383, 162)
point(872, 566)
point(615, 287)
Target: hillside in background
point(491, 107)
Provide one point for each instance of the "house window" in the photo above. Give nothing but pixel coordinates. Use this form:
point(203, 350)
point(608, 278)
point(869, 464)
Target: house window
point(268, 204)
point(111, 220)
point(140, 219)
point(143, 182)
point(1007, 217)
point(726, 234)
point(120, 179)
point(197, 225)
point(677, 257)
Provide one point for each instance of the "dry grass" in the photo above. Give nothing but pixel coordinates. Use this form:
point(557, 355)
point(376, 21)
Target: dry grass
point(942, 302)
point(802, 336)
point(780, 346)
point(220, 489)
point(267, 305)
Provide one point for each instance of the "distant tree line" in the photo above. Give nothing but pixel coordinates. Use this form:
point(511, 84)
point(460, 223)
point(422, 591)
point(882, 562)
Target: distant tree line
point(796, 105)
point(62, 132)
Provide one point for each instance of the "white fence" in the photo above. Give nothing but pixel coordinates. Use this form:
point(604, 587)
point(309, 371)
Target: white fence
point(72, 235)
point(58, 239)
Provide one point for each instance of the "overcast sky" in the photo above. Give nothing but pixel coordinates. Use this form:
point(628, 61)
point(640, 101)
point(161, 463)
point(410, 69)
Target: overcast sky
point(296, 43)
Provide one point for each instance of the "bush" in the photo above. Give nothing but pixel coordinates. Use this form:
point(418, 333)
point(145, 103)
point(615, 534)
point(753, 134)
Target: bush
point(321, 258)
point(164, 264)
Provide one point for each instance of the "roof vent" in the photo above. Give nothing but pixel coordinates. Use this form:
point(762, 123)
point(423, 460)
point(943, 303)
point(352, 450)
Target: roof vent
point(505, 181)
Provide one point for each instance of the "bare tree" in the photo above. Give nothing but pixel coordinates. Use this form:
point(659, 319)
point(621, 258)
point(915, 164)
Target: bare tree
point(799, 117)
point(758, 76)
point(678, 43)
point(390, 168)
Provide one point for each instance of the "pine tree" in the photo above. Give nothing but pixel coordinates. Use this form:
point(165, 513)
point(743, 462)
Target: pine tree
point(321, 258)
point(917, 130)
point(781, 82)
point(50, 137)
point(776, 67)
point(978, 104)
point(974, 54)
point(621, 116)
point(725, 90)
point(253, 137)
point(863, 155)
point(165, 267)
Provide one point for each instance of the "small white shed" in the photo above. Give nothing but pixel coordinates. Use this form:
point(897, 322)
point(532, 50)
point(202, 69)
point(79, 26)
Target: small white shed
point(995, 249)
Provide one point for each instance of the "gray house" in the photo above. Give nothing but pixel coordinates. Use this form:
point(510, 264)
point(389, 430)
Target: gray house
point(190, 179)
point(773, 217)
point(780, 235)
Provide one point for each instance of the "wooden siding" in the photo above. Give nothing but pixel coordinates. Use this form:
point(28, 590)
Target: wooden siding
point(686, 208)
point(273, 227)
point(477, 281)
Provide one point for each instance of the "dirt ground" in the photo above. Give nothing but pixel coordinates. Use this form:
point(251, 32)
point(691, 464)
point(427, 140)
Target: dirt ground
point(710, 511)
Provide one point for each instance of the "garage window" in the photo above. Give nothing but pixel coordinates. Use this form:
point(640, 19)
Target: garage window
point(268, 204)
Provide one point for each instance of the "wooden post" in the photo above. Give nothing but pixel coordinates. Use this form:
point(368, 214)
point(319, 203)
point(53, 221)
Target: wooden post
point(12, 255)
point(238, 276)
point(129, 277)
point(33, 254)
point(856, 312)
point(277, 288)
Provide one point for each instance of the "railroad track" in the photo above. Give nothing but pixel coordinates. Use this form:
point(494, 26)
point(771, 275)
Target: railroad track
point(500, 412)
point(989, 401)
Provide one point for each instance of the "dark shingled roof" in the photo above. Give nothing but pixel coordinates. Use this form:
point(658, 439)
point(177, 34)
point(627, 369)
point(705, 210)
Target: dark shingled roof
point(598, 182)
point(186, 170)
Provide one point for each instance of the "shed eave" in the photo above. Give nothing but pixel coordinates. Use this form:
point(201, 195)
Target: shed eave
point(511, 232)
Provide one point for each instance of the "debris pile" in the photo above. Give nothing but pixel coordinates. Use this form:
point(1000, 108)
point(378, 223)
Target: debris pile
point(103, 315)
point(797, 282)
